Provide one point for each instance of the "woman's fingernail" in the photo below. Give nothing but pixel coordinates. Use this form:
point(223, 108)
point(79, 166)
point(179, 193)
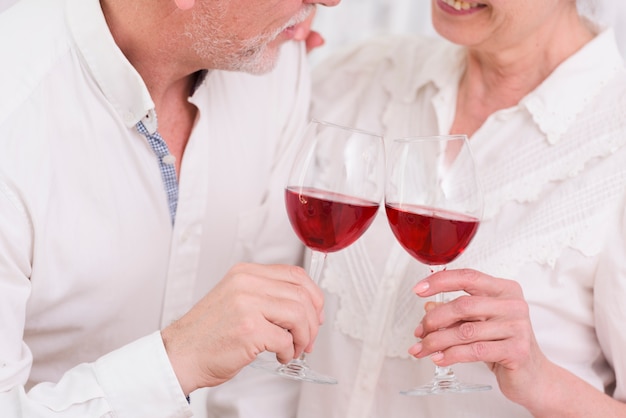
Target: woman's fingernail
point(415, 349)
point(437, 357)
point(419, 331)
point(421, 287)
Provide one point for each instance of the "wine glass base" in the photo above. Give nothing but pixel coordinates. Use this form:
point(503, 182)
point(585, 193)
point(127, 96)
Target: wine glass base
point(295, 370)
point(438, 387)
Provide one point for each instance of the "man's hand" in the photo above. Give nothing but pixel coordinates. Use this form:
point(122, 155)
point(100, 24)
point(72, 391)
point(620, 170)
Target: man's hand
point(254, 308)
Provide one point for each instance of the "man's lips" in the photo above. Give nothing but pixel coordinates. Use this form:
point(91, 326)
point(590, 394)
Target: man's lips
point(289, 32)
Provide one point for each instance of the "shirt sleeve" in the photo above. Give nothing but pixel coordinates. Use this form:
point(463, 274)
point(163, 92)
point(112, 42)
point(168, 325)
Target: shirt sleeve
point(609, 306)
point(133, 381)
point(136, 380)
point(15, 240)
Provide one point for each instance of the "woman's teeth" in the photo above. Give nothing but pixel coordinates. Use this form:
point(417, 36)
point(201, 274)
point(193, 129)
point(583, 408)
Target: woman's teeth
point(460, 5)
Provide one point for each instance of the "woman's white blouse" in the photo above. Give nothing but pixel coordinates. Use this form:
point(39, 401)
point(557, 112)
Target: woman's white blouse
point(553, 171)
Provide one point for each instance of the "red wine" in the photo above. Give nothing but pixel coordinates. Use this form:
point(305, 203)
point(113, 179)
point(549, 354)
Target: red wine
point(326, 221)
point(432, 236)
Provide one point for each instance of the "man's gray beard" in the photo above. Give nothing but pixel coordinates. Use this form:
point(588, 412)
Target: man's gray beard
point(252, 56)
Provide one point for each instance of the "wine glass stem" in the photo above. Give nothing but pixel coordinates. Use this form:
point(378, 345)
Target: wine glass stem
point(315, 271)
point(316, 265)
point(441, 373)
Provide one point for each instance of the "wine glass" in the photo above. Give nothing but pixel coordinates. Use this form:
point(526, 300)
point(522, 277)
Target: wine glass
point(434, 205)
point(332, 195)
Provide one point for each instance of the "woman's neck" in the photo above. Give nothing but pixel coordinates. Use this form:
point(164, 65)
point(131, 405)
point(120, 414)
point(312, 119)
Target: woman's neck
point(497, 80)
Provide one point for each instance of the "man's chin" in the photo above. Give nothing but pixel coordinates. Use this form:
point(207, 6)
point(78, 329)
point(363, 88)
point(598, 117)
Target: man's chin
point(263, 61)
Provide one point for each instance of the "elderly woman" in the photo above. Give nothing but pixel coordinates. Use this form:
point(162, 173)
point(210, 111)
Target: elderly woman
point(541, 92)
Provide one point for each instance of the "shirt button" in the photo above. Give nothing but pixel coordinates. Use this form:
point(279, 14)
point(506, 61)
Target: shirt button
point(169, 159)
point(191, 231)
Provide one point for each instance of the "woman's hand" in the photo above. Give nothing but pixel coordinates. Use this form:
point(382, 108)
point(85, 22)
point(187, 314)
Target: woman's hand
point(490, 324)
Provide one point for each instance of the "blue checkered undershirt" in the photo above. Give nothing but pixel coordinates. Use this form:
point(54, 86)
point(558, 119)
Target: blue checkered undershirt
point(168, 168)
point(168, 172)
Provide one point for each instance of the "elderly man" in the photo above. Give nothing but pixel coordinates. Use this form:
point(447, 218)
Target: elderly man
point(144, 251)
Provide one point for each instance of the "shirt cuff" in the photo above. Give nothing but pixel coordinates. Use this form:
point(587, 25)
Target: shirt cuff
point(138, 380)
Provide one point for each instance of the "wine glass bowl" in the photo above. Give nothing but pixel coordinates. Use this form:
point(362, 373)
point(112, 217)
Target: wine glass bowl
point(332, 195)
point(434, 237)
point(325, 221)
point(434, 205)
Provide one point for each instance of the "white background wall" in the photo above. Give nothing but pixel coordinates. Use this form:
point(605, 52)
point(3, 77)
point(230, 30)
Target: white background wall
point(5, 4)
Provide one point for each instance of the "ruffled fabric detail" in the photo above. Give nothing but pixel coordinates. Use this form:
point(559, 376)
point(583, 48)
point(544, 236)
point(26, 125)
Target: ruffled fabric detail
point(545, 228)
point(378, 308)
